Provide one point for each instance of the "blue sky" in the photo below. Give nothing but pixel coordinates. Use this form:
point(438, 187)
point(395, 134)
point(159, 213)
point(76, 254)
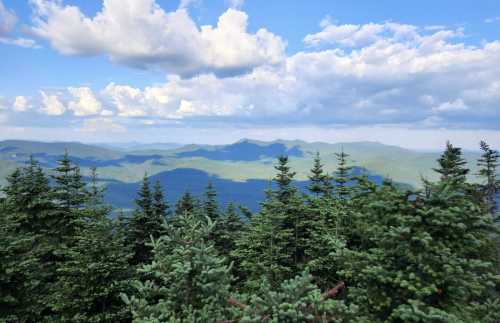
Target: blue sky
point(412, 74)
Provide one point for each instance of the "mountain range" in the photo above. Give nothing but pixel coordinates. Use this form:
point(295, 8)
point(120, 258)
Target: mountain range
point(240, 171)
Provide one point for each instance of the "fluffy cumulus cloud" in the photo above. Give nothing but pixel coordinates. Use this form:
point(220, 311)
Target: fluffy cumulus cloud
point(84, 102)
point(370, 75)
point(51, 104)
point(143, 35)
point(20, 104)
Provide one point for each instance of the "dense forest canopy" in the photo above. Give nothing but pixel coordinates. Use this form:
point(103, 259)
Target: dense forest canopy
point(348, 250)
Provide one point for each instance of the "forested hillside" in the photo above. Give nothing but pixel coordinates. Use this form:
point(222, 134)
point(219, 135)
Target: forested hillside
point(240, 171)
point(345, 247)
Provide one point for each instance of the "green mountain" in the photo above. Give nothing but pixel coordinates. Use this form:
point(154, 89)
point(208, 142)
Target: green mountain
point(239, 162)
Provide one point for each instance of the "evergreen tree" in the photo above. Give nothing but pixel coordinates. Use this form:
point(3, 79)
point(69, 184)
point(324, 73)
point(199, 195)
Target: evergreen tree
point(95, 268)
point(161, 209)
point(452, 165)
point(320, 182)
point(274, 244)
point(228, 229)
point(188, 281)
point(69, 189)
point(211, 206)
point(417, 259)
point(488, 164)
point(342, 176)
point(33, 230)
point(187, 203)
point(144, 199)
point(147, 221)
point(295, 300)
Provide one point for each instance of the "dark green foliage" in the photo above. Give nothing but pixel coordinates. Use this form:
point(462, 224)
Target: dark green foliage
point(452, 165)
point(274, 243)
point(369, 253)
point(295, 300)
point(211, 207)
point(342, 176)
point(187, 280)
point(488, 164)
point(228, 229)
point(186, 204)
point(146, 222)
point(320, 182)
point(161, 209)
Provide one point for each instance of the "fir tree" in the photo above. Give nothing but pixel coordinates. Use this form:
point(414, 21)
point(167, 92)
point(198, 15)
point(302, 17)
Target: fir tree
point(211, 206)
point(144, 199)
point(186, 204)
point(161, 209)
point(147, 221)
point(488, 164)
point(69, 189)
point(342, 176)
point(452, 166)
point(188, 281)
point(228, 229)
point(320, 182)
point(95, 268)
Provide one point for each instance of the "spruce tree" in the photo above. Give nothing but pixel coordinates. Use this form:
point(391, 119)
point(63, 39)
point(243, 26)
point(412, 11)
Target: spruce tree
point(186, 204)
point(211, 206)
point(452, 166)
point(274, 244)
point(342, 176)
point(146, 223)
point(187, 280)
point(320, 182)
point(228, 229)
point(95, 268)
point(488, 164)
point(161, 209)
point(69, 189)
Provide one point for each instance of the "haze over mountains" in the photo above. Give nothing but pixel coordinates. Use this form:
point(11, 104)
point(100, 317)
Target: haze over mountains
point(239, 171)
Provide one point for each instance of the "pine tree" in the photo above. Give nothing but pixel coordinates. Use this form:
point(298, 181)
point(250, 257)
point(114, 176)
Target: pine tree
point(320, 182)
point(283, 180)
point(452, 165)
point(488, 164)
point(188, 281)
point(211, 206)
point(342, 176)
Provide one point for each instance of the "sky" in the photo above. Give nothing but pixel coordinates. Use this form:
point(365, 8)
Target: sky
point(412, 74)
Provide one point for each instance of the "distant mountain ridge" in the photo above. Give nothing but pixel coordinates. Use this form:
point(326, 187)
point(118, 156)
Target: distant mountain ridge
point(239, 162)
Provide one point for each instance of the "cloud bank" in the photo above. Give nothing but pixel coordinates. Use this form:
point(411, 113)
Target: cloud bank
point(385, 74)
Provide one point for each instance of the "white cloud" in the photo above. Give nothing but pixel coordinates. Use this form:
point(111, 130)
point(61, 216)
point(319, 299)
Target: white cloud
point(85, 103)
point(102, 125)
point(51, 104)
point(20, 104)
point(236, 4)
point(21, 42)
point(457, 105)
point(492, 20)
point(141, 34)
point(7, 20)
point(128, 101)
